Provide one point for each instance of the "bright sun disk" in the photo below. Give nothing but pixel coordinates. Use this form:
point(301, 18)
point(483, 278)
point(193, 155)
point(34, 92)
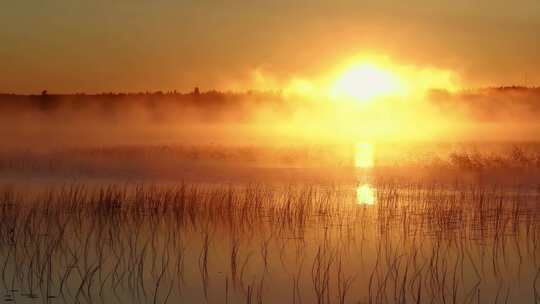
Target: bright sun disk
point(365, 82)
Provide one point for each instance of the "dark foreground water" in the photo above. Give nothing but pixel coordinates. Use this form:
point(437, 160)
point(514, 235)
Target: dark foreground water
point(177, 242)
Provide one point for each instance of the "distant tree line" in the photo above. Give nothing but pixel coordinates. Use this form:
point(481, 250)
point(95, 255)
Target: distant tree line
point(46, 101)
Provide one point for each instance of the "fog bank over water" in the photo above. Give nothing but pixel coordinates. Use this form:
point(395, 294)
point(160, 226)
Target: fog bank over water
point(252, 119)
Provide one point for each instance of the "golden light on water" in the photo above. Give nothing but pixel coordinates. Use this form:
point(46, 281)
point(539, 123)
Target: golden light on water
point(364, 155)
point(364, 158)
point(365, 195)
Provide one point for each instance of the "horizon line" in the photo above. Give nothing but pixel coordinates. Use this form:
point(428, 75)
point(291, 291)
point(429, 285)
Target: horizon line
point(196, 91)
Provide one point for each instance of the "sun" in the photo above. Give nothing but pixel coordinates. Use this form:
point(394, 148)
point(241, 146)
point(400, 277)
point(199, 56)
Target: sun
point(365, 82)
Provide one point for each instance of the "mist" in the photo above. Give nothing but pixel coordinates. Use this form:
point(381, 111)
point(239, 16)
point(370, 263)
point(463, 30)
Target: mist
point(158, 134)
point(42, 122)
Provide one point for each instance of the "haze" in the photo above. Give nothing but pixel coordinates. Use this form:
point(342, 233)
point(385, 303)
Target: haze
point(101, 46)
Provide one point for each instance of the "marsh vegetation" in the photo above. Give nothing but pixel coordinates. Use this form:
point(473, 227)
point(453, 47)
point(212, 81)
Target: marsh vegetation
point(142, 243)
point(167, 198)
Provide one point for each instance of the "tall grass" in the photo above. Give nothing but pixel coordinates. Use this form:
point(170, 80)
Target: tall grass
point(302, 244)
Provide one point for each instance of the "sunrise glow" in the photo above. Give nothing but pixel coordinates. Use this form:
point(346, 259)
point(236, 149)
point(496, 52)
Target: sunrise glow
point(270, 151)
point(365, 82)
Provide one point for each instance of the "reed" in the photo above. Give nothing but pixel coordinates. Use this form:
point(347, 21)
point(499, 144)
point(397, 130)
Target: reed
point(137, 243)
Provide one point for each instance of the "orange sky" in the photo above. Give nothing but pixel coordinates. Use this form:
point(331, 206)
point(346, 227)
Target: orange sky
point(95, 46)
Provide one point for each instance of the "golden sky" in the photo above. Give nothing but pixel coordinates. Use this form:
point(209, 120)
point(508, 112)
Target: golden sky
point(135, 45)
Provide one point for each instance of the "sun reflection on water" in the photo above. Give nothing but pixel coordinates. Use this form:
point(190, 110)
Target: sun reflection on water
point(365, 195)
point(364, 159)
point(364, 155)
